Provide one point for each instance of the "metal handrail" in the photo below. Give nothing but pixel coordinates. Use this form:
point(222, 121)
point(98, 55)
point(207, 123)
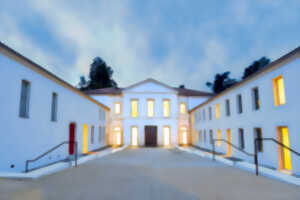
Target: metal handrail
point(52, 149)
point(269, 139)
point(234, 146)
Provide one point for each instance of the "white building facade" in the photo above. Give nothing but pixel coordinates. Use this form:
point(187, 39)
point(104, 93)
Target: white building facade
point(149, 113)
point(265, 105)
point(40, 111)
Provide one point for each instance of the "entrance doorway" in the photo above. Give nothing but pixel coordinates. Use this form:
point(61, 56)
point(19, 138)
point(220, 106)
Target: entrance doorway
point(229, 147)
point(72, 128)
point(151, 136)
point(118, 136)
point(284, 155)
point(85, 139)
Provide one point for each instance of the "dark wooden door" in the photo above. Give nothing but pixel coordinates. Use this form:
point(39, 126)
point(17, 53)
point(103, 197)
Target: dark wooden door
point(71, 138)
point(151, 136)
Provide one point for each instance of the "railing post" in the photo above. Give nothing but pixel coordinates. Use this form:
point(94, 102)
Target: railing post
point(255, 156)
point(213, 144)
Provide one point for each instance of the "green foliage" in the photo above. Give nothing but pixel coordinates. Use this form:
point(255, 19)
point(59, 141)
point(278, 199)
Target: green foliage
point(221, 82)
point(100, 76)
point(256, 66)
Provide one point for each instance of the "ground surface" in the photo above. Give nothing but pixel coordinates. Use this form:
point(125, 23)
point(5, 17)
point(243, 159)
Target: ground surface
point(149, 173)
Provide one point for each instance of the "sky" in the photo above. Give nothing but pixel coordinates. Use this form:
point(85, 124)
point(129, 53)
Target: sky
point(173, 41)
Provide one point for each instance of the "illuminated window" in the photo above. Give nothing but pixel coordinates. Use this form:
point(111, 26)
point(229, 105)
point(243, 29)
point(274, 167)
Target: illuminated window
point(255, 98)
point(279, 92)
point(182, 108)
point(167, 135)
point(150, 107)
point(85, 139)
point(118, 140)
point(134, 108)
point(184, 135)
point(239, 103)
point(134, 136)
point(24, 101)
point(217, 111)
point(117, 108)
point(229, 147)
point(285, 161)
point(219, 137)
point(166, 108)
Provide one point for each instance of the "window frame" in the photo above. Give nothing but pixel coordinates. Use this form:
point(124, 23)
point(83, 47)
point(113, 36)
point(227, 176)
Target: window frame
point(277, 92)
point(239, 104)
point(169, 108)
point(185, 108)
point(54, 102)
point(153, 111)
point(131, 108)
point(120, 108)
point(241, 135)
point(24, 99)
point(227, 107)
point(255, 99)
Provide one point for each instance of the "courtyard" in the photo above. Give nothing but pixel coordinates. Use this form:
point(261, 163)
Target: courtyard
point(149, 173)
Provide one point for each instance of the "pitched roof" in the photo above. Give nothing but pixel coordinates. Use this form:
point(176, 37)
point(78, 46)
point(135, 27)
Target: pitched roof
point(270, 67)
point(26, 62)
point(118, 91)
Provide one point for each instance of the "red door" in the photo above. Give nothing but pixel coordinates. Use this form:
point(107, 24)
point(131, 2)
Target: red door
point(71, 138)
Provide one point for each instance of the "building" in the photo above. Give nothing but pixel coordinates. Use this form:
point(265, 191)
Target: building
point(40, 111)
point(265, 105)
point(149, 113)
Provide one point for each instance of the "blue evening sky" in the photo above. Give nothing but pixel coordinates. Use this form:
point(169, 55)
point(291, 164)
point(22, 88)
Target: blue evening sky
point(173, 41)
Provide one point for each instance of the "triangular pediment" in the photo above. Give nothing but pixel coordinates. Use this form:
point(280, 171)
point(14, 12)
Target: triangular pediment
point(150, 85)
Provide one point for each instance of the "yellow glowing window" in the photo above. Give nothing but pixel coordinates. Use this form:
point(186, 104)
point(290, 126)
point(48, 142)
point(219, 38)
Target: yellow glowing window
point(285, 153)
point(167, 135)
point(117, 108)
point(150, 107)
point(134, 108)
point(166, 108)
point(85, 139)
point(279, 93)
point(134, 136)
point(219, 137)
point(118, 140)
point(184, 135)
point(217, 111)
point(182, 108)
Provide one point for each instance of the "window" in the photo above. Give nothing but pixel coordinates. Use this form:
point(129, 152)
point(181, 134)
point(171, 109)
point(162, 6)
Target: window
point(118, 137)
point(102, 115)
point(200, 136)
point(217, 111)
point(203, 111)
point(227, 107)
point(54, 107)
point(284, 155)
point(211, 138)
point(209, 113)
point(24, 101)
point(100, 134)
point(134, 108)
point(117, 108)
point(182, 108)
point(219, 137)
point(184, 135)
point(279, 92)
point(239, 103)
point(134, 136)
point(92, 134)
point(241, 138)
point(150, 107)
point(204, 136)
point(166, 108)
point(258, 134)
point(167, 135)
point(255, 97)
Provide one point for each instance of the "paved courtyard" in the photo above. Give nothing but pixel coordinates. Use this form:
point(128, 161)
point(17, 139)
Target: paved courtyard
point(149, 173)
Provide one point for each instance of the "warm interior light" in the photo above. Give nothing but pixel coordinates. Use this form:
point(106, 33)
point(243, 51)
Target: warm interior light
point(219, 137)
point(229, 147)
point(117, 131)
point(286, 152)
point(85, 139)
point(184, 135)
point(167, 135)
point(217, 111)
point(117, 108)
point(279, 92)
point(150, 105)
point(134, 136)
point(166, 108)
point(134, 108)
point(182, 108)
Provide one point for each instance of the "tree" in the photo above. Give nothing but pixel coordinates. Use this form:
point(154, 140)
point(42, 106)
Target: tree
point(221, 82)
point(256, 66)
point(100, 76)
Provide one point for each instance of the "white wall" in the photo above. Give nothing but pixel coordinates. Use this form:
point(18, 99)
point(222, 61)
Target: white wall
point(26, 138)
point(268, 117)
